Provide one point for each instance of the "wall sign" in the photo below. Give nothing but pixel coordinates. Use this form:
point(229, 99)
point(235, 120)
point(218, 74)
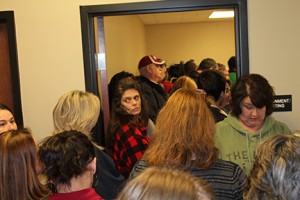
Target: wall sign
point(282, 103)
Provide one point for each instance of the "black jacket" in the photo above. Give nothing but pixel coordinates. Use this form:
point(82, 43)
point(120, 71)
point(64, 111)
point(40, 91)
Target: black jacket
point(155, 96)
point(107, 179)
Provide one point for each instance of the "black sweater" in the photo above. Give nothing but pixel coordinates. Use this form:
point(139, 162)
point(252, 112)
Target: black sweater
point(226, 178)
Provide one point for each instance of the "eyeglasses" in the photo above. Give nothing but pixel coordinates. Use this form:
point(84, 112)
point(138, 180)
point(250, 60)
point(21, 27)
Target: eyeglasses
point(160, 66)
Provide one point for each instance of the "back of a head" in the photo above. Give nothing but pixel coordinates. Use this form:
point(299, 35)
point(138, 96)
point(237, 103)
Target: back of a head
point(66, 155)
point(175, 71)
point(76, 110)
point(189, 66)
point(18, 167)
point(275, 173)
point(232, 64)
point(221, 67)
point(183, 82)
point(168, 184)
point(212, 82)
point(184, 127)
point(207, 63)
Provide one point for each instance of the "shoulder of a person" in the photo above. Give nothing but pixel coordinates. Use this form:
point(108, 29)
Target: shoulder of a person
point(144, 81)
point(99, 151)
point(124, 129)
point(133, 127)
point(142, 161)
point(146, 88)
point(102, 156)
point(226, 163)
point(131, 132)
point(280, 126)
point(231, 167)
point(139, 166)
point(231, 120)
point(224, 123)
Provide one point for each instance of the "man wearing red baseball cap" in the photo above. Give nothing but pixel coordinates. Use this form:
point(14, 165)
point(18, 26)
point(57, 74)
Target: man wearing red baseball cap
point(153, 71)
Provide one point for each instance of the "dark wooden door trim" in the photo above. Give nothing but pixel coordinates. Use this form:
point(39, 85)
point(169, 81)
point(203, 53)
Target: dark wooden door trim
point(7, 17)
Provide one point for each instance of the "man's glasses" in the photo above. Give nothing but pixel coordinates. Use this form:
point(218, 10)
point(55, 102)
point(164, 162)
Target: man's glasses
point(160, 66)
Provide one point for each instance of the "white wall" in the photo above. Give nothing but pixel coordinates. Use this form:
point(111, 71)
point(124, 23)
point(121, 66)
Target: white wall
point(50, 55)
point(51, 63)
point(182, 42)
point(274, 49)
point(125, 41)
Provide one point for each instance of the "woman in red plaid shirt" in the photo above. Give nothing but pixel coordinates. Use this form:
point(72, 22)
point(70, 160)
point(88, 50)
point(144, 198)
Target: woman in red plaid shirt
point(127, 137)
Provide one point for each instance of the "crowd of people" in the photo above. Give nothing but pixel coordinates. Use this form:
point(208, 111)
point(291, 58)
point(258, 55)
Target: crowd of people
point(183, 132)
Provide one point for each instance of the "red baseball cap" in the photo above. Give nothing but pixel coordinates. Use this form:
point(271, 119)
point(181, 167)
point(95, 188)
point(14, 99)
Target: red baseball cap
point(149, 59)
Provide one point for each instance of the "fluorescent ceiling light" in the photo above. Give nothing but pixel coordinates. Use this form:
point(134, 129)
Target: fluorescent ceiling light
point(222, 14)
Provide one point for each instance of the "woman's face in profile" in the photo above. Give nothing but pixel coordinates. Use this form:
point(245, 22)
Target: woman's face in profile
point(251, 116)
point(131, 102)
point(226, 96)
point(7, 121)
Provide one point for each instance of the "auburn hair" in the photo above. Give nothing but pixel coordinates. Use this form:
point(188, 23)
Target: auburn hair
point(184, 133)
point(18, 162)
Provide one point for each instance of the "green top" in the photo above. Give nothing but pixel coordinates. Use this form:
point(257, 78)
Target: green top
point(237, 145)
point(232, 77)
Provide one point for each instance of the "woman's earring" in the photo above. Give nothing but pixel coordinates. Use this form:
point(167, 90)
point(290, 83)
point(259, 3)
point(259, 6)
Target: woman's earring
point(95, 182)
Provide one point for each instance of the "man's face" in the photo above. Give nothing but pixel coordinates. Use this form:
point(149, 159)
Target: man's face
point(158, 72)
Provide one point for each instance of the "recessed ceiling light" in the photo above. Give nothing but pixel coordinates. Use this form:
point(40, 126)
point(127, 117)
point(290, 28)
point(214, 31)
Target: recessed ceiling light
point(222, 14)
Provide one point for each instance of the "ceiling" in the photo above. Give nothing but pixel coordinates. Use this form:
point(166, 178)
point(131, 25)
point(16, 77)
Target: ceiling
point(178, 17)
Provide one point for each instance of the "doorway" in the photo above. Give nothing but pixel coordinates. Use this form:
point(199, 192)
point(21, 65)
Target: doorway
point(96, 79)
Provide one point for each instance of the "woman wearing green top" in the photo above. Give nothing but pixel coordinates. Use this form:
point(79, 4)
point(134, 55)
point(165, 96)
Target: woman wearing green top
point(250, 121)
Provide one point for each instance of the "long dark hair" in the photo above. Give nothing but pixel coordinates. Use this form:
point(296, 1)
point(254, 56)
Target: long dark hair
point(119, 116)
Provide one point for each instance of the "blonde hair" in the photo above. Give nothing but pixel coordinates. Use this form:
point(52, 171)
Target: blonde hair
point(184, 131)
point(168, 184)
point(76, 110)
point(297, 133)
point(183, 82)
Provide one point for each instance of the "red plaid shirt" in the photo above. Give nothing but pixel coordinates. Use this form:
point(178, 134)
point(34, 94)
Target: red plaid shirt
point(131, 142)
